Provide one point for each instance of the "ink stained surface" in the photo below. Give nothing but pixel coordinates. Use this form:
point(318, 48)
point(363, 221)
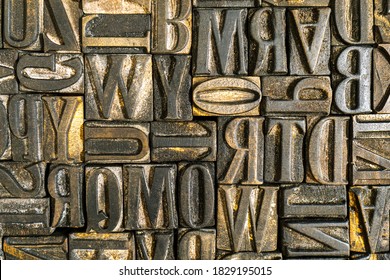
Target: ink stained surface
point(195, 129)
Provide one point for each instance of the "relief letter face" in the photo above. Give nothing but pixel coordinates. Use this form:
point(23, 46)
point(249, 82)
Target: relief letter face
point(150, 192)
point(119, 87)
point(215, 50)
point(104, 199)
point(172, 26)
point(247, 218)
point(241, 151)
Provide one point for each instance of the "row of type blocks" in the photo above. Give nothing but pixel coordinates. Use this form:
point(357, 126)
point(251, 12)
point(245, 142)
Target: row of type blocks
point(253, 222)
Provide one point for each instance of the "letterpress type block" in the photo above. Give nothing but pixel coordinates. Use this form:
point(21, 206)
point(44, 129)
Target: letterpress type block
point(116, 142)
point(327, 150)
point(51, 73)
point(5, 133)
point(54, 247)
point(25, 216)
point(101, 246)
point(65, 186)
point(196, 199)
point(22, 24)
point(172, 87)
point(296, 96)
point(371, 150)
point(172, 26)
point(314, 201)
point(8, 82)
point(247, 218)
point(351, 79)
point(187, 141)
point(22, 180)
point(385, 256)
point(220, 43)
point(247, 256)
point(287, 3)
point(132, 21)
point(25, 117)
point(354, 21)
point(310, 41)
point(119, 87)
point(381, 79)
point(150, 196)
point(226, 3)
point(62, 129)
point(240, 151)
point(308, 238)
point(155, 245)
point(267, 51)
point(382, 21)
point(196, 244)
point(61, 26)
point(369, 209)
point(283, 150)
point(104, 198)
point(226, 96)
point(116, 6)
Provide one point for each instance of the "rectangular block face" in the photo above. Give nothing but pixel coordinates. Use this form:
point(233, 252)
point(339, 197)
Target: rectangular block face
point(226, 96)
point(240, 151)
point(226, 3)
point(166, 14)
point(187, 141)
point(369, 209)
point(65, 184)
point(351, 79)
point(51, 73)
point(284, 150)
point(131, 35)
point(116, 142)
point(328, 150)
point(155, 245)
point(314, 201)
point(196, 195)
point(54, 247)
point(353, 22)
point(370, 257)
point(104, 199)
point(62, 129)
point(382, 21)
point(61, 26)
point(172, 87)
point(371, 150)
point(296, 96)
point(248, 256)
point(25, 216)
point(315, 238)
point(150, 196)
point(8, 82)
point(22, 30)
point(247, 218)
point(5, 137)
point(227, 54)
point(381, 76)
point(287, 3)
point(25, 118)
point(101, 246)
point(310, 41)
point(22, 180)
point(119, 87)
point(196, 244)
point(267, 42)
point(116, 6)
